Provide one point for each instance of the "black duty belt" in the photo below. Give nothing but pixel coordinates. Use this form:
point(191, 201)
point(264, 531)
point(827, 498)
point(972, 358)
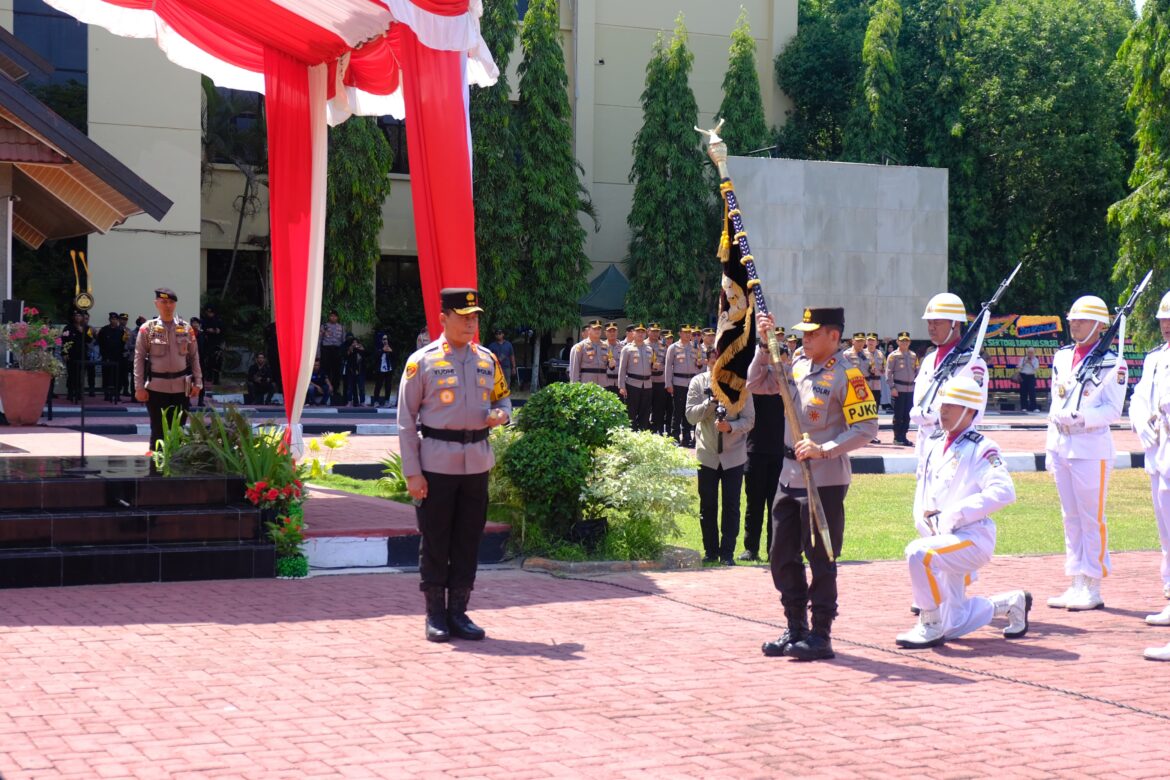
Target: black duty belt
point(789, 453)
point(904, 385)
point(637, 376)
point(683, 376)
point(455, 435)
point(594, 370)
point(170, 374)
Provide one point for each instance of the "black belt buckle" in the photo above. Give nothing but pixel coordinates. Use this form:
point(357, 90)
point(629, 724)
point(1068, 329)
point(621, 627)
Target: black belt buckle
point(468, 436)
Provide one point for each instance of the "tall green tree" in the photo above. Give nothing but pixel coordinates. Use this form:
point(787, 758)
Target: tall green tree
point(555, 267)
point(1041, 151)
point(818, 71)
point(672, 270)
point(359, 181)
point(877, 131)
point(1143, 217)
point(742, 106)
point(498, 202)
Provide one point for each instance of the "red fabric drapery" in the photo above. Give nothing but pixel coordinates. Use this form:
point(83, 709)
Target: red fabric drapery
point(440, 168)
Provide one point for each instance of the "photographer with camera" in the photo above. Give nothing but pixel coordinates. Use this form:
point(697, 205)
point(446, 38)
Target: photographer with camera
point(721, 446)
point(383, 370)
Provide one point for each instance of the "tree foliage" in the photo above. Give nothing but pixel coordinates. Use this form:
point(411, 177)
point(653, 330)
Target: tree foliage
point(359, 181)
point(1143, 217)
point(877, 133)
point(554, 266)
point(742, 106)
point(672, 273)
point(498, 204)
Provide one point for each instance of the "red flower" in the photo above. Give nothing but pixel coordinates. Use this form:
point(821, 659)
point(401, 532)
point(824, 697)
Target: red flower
point(272, 494)
point(260, 485)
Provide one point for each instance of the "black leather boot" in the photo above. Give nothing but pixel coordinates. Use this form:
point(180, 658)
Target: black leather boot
point(797, 631)
point(437, 630)
point(817, 645)
point(461, 625)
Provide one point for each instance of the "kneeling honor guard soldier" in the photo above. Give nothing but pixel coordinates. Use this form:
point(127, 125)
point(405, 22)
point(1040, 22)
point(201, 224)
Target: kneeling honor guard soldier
point(961, 481)
point(452, 393)
point(837, 415)
point(167, 374)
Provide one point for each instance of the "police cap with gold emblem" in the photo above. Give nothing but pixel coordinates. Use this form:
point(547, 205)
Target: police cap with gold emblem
point(684, 329)
point(654, 326)
point(904, 336)
point(859, 336)
point(594, 324)
point(708, 331)
point(165, 294)
point(871, 336)
point(667, 334)
point(611, 326)
point(461, 300)
point(815, 318)
point(640, 326)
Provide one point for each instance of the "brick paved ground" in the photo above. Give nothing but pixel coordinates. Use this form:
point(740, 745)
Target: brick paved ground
point(633, 675)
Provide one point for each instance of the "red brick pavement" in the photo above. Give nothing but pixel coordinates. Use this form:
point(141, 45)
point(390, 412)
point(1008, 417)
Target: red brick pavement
point(632, 675)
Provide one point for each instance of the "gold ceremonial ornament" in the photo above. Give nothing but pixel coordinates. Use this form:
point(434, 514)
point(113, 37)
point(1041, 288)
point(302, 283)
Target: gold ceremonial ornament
point(82, 300)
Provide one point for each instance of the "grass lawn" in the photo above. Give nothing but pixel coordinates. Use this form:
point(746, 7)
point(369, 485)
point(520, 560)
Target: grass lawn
point(878, 507)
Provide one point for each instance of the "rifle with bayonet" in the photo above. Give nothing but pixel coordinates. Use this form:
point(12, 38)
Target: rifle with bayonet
point(717, 151)
point(968, 347)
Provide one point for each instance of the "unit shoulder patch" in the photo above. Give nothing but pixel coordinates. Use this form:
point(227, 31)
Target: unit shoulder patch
point(992, 457)
point(411, 370)
point(859, 405)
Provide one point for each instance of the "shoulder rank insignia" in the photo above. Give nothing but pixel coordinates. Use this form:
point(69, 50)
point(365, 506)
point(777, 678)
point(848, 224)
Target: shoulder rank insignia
point(973, 436)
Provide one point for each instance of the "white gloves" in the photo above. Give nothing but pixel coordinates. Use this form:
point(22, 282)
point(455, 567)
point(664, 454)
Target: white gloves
point(923, 417)
point(1066, 417)
point(1164, 405)
point(1148, 436)
point(938, 524)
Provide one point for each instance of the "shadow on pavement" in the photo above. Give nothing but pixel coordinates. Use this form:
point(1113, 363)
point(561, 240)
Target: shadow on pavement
point(994, 647)
point(883, 671)
point(566, 651)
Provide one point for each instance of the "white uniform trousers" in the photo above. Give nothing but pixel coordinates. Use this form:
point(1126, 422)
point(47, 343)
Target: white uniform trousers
point(939, 568)
point(1160, 490)
point(1082, 486)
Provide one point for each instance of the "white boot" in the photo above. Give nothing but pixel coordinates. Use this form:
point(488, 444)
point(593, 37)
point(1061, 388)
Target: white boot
point(1166, 589)
point(1015, 606)
point(1161, 619)
point(1157, 653)
point(1061, 601)
point(928, 632)
point(1088, 597)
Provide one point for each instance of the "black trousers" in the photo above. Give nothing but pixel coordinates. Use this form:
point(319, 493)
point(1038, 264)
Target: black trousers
point(1027, 392)
point(902, 403)
point(659, 408)
point(761, 477)
point(681, 430)
point(381, 379)
point(711, 482)
point(638, 407)
point(451, 520)
point(331, 367)
point(792, 536)
point(109, 378)
point(157, 403)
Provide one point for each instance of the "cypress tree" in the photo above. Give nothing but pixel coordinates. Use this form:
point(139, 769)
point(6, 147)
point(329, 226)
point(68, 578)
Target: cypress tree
point(876, 133)
point(672, 268)
point(742, 106)
point(555, 267)
point(496, 183)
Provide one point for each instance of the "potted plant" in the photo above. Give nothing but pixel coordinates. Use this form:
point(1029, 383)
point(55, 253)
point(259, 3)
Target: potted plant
point(33, 344)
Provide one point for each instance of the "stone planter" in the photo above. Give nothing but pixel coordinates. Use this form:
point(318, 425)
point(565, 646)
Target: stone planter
point(23, 394)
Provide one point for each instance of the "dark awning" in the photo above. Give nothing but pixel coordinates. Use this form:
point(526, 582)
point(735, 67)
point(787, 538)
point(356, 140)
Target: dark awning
point(607, 294)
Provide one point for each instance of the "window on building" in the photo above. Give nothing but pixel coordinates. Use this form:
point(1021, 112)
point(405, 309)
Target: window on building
point(233, 127)
point(58, 37)
point(395, 132)
point(521, 8)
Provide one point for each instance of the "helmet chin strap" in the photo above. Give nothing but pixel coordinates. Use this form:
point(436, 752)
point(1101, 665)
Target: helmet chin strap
point(960, 425)
point(950, 333)
point(1092, 332)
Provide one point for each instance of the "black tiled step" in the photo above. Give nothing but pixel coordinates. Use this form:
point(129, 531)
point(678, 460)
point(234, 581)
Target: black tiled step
point(135, 525)
point(403, 550)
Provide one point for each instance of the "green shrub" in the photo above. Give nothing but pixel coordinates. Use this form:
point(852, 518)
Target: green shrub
point(549, 469)
point(585, 412)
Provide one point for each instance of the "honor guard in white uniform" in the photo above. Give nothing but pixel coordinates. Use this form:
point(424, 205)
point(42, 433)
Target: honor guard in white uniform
point(634, 379)
point(1149, 414)
point(944, 315)
point(613, 353)
point(453, 391)
point(680, 367)
point(587, 362)
point(1079, 452)
point(962, 480)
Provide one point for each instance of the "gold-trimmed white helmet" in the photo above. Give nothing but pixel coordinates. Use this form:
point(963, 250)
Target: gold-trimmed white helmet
point(962, 390)
point(1164, 308)
point(945, 306)
point(1089, 307)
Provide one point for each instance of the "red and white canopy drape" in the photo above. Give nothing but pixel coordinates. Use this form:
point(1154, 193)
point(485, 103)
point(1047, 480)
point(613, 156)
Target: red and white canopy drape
point(318, 62)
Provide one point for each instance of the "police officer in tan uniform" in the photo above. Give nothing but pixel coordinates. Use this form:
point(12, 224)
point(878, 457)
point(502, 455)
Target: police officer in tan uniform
point(587, 361)
point(173, 376)
point(877, 365)
point(453, 391)
point(858, 355)
point(901, 369)
point(613, 353)
point(706, 348)
point(839, 415)
point(634, 379)
point(680, 367)
point(659, 400)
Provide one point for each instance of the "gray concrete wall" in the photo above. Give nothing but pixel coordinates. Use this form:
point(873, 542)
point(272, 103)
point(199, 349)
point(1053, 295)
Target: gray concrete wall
point(871, 238)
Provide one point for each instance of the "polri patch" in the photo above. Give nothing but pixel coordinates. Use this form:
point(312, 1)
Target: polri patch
point(411, 370)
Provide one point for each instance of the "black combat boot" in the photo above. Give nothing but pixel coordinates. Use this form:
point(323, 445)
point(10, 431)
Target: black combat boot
point(817, 645)
point(437, 630)
point(461, 625)
point(797, 631)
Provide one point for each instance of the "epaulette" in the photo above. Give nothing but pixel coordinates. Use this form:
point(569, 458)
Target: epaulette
point(434, 346)
point(973, 436)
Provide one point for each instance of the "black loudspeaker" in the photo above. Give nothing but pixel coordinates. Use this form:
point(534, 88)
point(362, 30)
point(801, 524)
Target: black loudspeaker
point(11, 310)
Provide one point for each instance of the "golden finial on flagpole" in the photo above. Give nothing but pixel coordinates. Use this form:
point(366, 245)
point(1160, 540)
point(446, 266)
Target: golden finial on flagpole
point(716, 148)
